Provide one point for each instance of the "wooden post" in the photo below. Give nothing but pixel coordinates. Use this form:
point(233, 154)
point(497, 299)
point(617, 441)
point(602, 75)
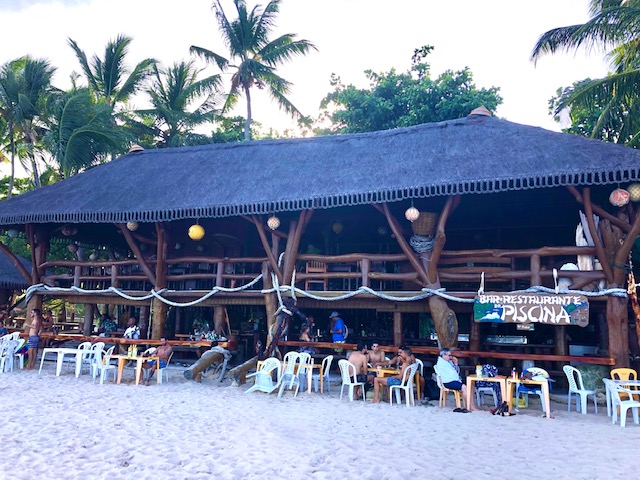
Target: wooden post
point(535, 270)
point(144, 321)
point(269, 300)
point(364, 268)
point(397, 329)
point(474, 335)
point(159, 317)
point(159, 307)
point(87, 326)
point(618, 323)
point(39, 241)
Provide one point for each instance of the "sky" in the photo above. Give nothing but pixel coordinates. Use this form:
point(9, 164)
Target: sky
point(494, 38)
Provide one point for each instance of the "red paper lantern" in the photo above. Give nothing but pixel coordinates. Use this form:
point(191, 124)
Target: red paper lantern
point(619, 197)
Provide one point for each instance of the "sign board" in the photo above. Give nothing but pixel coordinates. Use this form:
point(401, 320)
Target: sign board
point(524, 308)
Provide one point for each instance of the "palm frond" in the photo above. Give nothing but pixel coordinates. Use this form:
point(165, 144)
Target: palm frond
point(210, 56)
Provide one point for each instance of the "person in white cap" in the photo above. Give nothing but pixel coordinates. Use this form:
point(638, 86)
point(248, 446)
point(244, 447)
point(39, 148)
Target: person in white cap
point(337, 327)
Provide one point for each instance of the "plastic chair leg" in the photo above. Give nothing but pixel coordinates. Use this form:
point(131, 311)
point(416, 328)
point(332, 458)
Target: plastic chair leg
point(583, 403)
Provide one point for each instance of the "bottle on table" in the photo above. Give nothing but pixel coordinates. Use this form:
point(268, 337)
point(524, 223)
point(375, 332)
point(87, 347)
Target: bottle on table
point(479, 371)
point(514, 375)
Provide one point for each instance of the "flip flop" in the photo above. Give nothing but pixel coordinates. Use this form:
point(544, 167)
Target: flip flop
point(464, 410)
point(457, 410)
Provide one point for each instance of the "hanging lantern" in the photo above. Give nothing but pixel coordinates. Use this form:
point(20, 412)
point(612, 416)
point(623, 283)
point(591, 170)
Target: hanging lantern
point(412, 214)
point(196, 232)
point(634, 192)
point(337, 228)
point(93, 257)
point(619, 197)
point(274, 222)
point(132, 226)
point(68, 230)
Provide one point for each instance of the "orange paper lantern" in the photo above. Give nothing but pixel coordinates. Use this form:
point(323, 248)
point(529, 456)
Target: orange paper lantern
point(619, 197)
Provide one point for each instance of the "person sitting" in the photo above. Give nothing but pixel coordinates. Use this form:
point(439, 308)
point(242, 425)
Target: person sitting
point(380, 382)
point(304, 337)
point(3, 328)
point(133, 331)
point(449, 370)
point(163, 352)
point(360, 360)
point(376, 355)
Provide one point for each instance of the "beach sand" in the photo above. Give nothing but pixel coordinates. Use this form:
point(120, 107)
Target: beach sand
point(63, 427)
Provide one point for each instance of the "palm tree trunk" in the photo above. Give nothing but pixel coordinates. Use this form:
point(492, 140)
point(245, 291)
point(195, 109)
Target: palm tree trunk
point(13, 161)
point(247, 123)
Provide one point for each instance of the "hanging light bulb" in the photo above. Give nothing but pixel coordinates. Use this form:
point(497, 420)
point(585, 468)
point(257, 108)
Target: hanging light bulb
point(412, 213)
point(337, 227)
point(132, 226)
point(93, 257)
point(196, 232)
point(274, 222)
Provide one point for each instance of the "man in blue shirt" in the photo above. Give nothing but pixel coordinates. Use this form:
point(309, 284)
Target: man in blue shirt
point(337, 327)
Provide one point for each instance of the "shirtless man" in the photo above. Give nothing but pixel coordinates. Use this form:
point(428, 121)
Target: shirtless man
point(47, 326)
point(376, 355)
point(164, 352)
point(35, 328)
point(380, 382)
point(360, 360)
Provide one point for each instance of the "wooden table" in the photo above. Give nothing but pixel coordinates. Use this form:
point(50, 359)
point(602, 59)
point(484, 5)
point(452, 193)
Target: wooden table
point(500, 379)
point(390, 372)
point(511, 382)
point(122, 359)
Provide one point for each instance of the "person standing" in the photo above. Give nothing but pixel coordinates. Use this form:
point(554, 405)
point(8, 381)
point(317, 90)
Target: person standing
point(337, 328)
point(35, 328)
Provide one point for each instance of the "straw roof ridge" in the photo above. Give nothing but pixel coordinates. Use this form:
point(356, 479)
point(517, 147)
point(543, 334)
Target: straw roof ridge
point(477, 154)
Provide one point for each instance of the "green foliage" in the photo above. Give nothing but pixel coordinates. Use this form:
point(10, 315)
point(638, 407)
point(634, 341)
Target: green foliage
point(605, 108)
point(174, 94)
point(402, 99)
point(253, 56)
point(81, 133)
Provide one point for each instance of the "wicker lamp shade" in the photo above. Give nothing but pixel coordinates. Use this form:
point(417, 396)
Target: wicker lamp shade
point(634, 192)
point(425, 224)
point(273, 223)
point(132, 226)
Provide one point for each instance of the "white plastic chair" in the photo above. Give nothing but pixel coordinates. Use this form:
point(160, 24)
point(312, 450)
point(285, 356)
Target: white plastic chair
point(348, 374)
point(304, 358)
point(18, 355)
point(7, 353)
point(264, 376)
point(326, 373)
point(524, 392)
point(406, 385)
point(289, 374)
point(161, 372)
point(482, 391)
point(83, 348)
point(444, 390)
point(103, 364)
point(90, 357)
point(624, 405)
point(576, 386)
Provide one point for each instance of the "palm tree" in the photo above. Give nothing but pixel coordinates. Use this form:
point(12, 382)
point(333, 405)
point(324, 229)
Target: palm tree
point(24, 86)
point(615, 25)
point(173, 93)
point(255, 56)
point(109, 79)
point(80, 132)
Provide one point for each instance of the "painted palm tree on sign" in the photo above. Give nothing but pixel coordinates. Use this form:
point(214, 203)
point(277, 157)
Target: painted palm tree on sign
point(613, 25)
point(174, 94)
point(108, 78)
point(253, 57)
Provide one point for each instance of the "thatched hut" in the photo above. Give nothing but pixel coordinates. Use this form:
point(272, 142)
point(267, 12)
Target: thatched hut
point(507, 199)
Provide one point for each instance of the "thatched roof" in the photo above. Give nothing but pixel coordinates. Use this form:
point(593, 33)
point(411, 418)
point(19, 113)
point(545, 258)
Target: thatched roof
point(477, 154)
point(10, 276)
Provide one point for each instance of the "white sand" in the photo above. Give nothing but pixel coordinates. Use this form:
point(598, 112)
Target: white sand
point(72, 428)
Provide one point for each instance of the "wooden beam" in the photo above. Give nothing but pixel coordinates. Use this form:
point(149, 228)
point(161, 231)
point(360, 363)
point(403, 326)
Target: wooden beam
point(408, 251)
point(265, 244)
point(16, 262)
point(295, 245)
point(588, 209)
point(441, 237)
point(138, 254)
point(600, 211)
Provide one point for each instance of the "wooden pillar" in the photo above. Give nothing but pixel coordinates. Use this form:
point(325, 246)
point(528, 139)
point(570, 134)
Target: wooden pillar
point(87, 326)
point(270, 302)
point(617, 320)
point(474, 335)
point(364, 268)
point(535, 270)
point(560, 334)
point(159, 307)
point(178, 320)
point(397, 329)
point(144, 321)
point(158, 319)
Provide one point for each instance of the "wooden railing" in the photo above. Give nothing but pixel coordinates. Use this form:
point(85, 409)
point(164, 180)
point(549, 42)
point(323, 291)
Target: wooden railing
point(503, 269)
